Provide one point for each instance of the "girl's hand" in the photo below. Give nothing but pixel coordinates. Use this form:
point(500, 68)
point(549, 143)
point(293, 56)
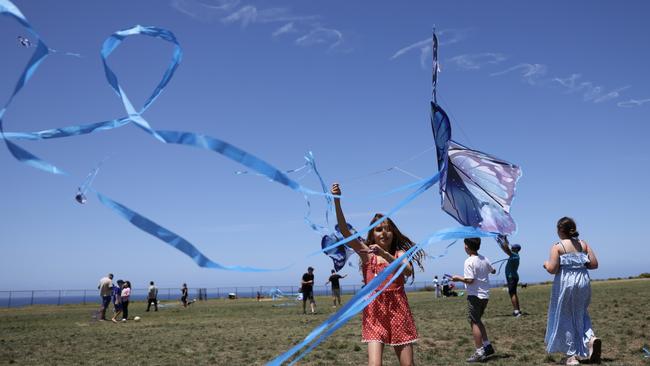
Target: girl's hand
point(336, 189)
point(376, 249)
point(457, 278)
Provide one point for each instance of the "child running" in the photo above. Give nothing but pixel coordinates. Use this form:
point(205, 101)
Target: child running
point(476, 274)
point(387, 320)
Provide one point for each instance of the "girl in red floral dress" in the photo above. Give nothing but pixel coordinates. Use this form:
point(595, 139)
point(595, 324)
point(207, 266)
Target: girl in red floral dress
point(388, 319)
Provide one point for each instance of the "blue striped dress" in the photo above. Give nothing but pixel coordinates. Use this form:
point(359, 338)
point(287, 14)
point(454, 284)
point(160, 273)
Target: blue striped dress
point(568, 329)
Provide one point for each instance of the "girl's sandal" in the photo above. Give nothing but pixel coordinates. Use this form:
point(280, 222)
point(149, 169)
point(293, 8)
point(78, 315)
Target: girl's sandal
point(572, 361)
point(595, 348)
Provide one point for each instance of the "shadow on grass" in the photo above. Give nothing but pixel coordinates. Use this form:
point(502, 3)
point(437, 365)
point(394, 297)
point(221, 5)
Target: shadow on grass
point(499, 356)
point(523, 314)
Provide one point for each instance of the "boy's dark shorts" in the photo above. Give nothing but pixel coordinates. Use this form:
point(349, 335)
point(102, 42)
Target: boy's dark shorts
point(512, 285)
point(475, 308)
point(308, 295)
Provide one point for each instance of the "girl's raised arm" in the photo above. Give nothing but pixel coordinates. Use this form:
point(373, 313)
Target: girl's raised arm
point(358, 246)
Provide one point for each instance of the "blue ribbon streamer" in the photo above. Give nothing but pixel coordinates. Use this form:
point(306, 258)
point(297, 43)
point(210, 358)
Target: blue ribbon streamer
point(22, 155)
point(41, 51)
point(428, 183)
point(364, 297)
point(172, 238)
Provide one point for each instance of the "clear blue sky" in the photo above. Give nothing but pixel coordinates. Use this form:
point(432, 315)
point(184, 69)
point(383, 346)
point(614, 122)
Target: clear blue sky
point(560, 88)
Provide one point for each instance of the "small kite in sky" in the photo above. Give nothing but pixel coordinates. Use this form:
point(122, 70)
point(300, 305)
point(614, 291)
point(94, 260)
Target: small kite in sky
point(24, 41)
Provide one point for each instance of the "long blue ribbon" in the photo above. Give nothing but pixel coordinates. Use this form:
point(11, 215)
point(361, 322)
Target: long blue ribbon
point(40, 53)
point(172, 238)
point(22, 155)
point(364, 297)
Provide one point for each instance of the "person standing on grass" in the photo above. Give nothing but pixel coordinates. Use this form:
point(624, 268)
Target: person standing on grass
point(446, 291)
point(512, 276)
point(104, 287)
point(436, 286)
point(125, 296)
point(307, 288)
point(568, 329)
point(184, 294)
point(476, 276)
point(152, 296)
point(387, 320)
point(117, 300)
point(336, 287)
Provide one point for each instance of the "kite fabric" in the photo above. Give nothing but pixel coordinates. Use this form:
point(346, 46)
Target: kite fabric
point(341, 253)
point(477, 189)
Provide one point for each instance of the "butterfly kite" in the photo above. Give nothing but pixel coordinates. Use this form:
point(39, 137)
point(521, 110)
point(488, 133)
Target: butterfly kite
point(477, 189)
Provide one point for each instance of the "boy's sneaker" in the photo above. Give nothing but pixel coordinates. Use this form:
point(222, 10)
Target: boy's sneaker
point(488, 350)
point(477, 357)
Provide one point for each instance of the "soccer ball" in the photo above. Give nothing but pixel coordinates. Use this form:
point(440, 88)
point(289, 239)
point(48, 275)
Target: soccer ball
point(137, 318)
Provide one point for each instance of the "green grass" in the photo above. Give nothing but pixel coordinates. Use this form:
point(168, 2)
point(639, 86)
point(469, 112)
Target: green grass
point(246, 332)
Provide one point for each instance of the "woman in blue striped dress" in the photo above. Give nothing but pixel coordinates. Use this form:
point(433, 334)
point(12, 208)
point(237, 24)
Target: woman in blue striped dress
point(568, 329)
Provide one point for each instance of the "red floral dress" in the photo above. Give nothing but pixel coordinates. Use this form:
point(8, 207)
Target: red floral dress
point(388, 318)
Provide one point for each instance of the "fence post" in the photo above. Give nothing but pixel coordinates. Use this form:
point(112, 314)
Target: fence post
point(32, 300)
point(84, 297)
point(9, 301)
point(58, 302)
point(169, 294)
point(236, 293)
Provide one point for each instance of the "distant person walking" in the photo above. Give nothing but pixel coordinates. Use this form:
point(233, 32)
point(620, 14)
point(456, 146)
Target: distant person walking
point(568, 329)
point(307, 289)
point(336, 287)
point(184, 294)
point(104, 287)
point(512, 274)
point(476, 276)
point(125, 295)
point(152, 296)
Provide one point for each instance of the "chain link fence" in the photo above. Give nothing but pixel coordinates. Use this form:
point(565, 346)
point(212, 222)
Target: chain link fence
point(63, 297)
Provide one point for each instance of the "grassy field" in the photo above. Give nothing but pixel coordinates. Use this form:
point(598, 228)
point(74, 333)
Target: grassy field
point(247, 332)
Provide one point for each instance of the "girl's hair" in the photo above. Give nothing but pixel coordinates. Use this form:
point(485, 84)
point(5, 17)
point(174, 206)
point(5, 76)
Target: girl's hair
point(128, 284)
point(567, 226)
point(400, 242)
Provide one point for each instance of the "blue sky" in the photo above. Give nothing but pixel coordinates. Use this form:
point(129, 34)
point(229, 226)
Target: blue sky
point(559, 88)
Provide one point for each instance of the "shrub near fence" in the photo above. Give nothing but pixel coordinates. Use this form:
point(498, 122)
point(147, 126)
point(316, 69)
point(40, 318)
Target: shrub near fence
point(61, 297)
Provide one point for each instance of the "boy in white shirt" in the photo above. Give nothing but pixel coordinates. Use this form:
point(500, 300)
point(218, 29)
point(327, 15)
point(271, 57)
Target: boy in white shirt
point(476, 277)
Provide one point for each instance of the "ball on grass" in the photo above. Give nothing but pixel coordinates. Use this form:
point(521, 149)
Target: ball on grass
point(137, 318)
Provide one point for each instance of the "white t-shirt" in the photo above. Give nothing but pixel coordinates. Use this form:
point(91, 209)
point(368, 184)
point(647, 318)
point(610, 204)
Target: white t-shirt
point(479, 268)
